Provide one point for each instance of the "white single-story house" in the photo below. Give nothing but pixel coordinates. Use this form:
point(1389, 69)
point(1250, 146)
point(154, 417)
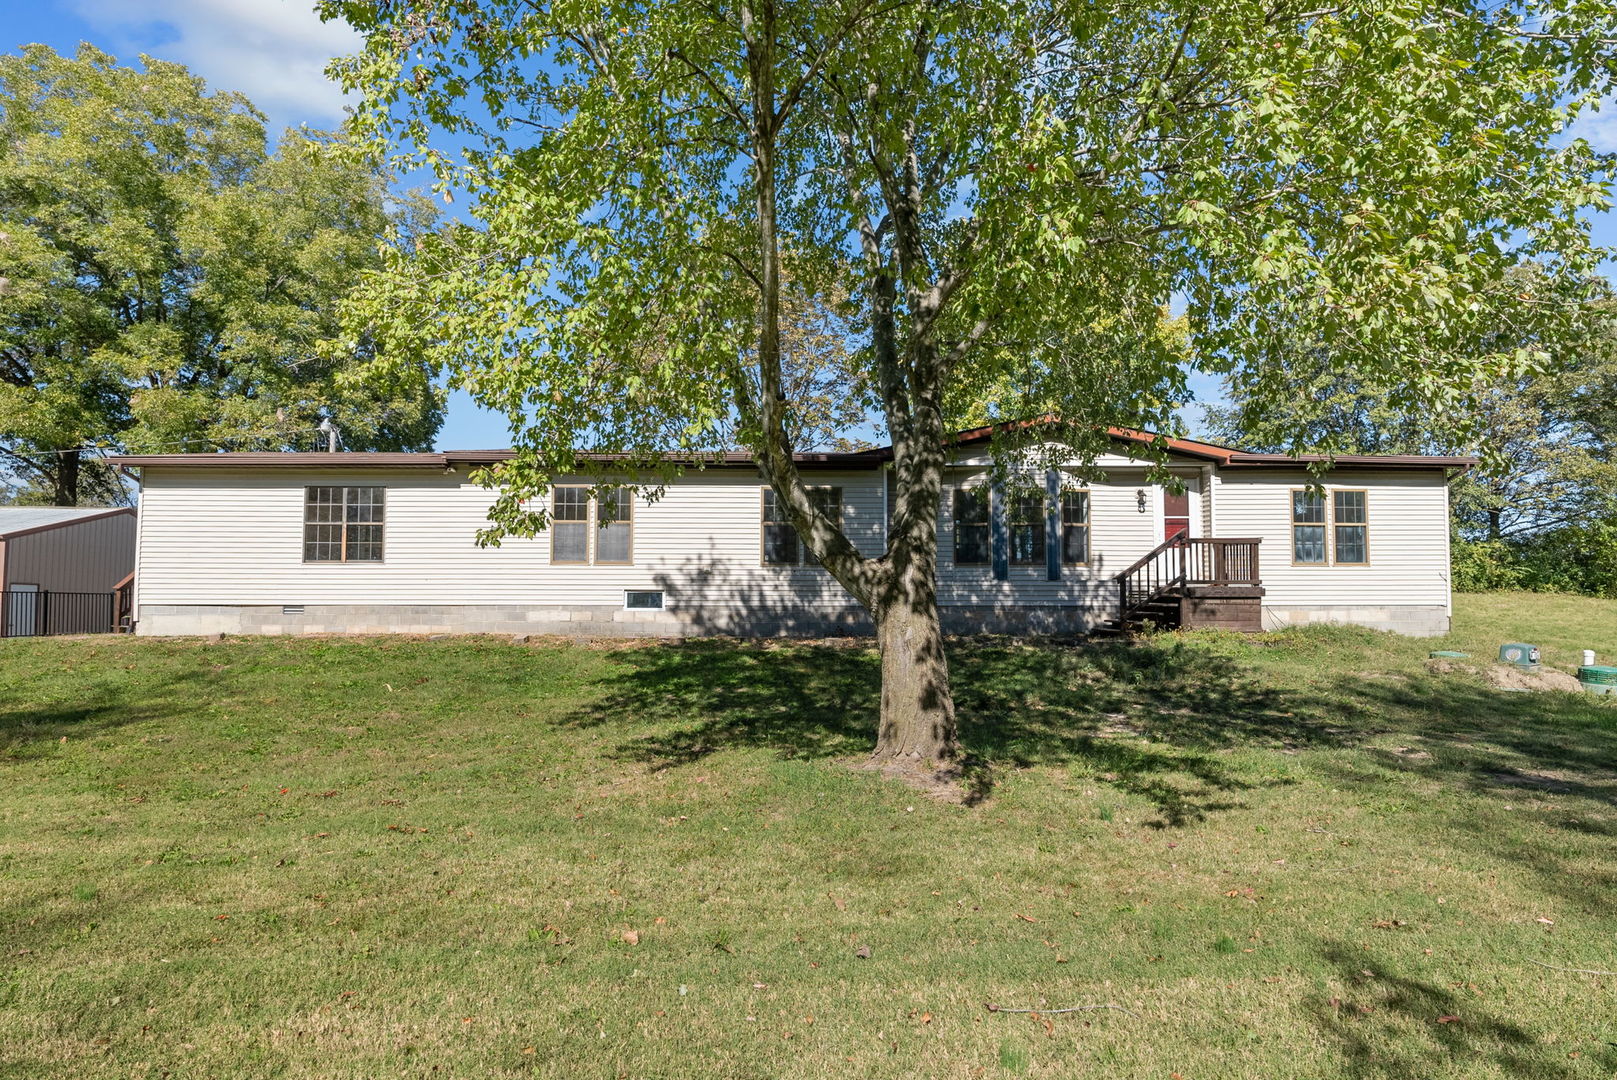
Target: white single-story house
point(60, 567)
point(293, 543)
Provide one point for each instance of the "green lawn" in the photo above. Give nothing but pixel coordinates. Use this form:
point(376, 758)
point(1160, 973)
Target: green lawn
point(1292, 855)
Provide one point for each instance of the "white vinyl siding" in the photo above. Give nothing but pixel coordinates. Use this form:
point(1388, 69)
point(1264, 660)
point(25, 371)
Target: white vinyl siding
point(211, 536)
point(1408, 546)
point(1118, 532)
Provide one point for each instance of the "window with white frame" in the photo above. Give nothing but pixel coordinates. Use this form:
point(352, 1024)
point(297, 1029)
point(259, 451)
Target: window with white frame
point(1075, 527)
point(973, 542)
point(1025, 528)
point(1350, 524)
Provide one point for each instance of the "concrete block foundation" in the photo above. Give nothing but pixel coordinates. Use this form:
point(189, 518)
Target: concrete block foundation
point(1414, 620)
point(607, 621)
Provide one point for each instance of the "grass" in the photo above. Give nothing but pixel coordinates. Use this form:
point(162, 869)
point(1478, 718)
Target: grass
point(1293, 855)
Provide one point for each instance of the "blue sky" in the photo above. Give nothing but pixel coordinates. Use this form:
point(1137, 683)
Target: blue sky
point(274, 51)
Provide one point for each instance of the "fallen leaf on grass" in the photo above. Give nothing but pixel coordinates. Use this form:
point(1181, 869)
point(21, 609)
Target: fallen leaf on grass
point(1388, 924)
point(862, 952)
point(1448, 1019)
point(631, 937)
point(842, 905)
point(1026, 918)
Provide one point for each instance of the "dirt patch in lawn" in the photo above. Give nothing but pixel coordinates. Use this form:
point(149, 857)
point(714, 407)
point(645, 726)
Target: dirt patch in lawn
point(1508, 676)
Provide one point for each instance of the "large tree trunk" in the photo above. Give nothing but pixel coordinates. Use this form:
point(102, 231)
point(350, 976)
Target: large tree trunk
point(65, 488)
point(917, 728)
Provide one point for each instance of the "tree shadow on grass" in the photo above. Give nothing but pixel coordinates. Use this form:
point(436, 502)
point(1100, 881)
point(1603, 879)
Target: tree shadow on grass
point(1391, 1026)
point(802, 700)
point(1548, 758)
point(1146, 717)
point(28, 727)
point(1486, 740)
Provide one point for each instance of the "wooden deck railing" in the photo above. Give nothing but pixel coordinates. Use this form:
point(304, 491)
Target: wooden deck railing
point(1182, 561)
point(123, 605)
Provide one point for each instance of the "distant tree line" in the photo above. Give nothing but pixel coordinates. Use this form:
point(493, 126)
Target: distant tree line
point(1540, 513)
point(170, 281)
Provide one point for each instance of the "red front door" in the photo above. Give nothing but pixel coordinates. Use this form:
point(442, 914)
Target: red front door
point(1175, 514)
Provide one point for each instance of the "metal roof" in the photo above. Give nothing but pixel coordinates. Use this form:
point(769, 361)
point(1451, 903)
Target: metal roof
point(20, 519)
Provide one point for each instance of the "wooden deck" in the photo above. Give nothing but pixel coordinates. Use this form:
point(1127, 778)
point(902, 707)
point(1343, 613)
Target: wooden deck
point(1195, 583)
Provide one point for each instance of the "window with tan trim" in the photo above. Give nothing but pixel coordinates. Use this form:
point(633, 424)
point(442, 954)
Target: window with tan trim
point(781, 545)
point(570, 526)
point(1350, 523)
point(614, 528)
point(1333, 528)
point(1307, 528)
point(343, 524)
point(585, 530)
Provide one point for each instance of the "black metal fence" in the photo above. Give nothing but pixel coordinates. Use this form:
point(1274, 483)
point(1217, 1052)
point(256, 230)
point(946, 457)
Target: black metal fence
point(42, 613)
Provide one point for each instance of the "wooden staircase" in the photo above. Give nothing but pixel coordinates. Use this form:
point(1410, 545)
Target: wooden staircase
point(1192, 582)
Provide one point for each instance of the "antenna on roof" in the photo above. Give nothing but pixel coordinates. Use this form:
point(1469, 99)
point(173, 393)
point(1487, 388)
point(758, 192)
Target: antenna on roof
point(331, 434)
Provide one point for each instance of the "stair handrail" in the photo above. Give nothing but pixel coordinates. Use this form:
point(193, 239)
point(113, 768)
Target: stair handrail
point(1172, 541)
point(1134, 594)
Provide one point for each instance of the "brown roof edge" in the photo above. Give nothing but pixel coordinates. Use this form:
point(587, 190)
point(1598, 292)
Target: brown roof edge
point(1353, 461)
point(722, 460)
point(111, 511)
point(450, 458)
point(1226, 455)
point(1222, 455)
point(1189, 447)
point(283, 460)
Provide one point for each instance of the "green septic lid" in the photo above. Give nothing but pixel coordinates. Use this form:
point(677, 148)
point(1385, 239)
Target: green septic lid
point(1606, 676)
point(1447, 654)
point(1519, 653)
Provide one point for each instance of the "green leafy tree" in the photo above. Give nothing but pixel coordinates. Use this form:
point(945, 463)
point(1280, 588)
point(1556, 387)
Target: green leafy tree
point(985, 179)
point(166, 282)
point(1547, 439)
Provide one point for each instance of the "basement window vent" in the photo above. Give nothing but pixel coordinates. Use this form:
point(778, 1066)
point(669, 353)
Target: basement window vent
point(650, 600)
point(291, 609)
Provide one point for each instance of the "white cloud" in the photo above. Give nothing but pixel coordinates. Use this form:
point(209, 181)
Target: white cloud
point(274, 51)
point(1599, 128)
